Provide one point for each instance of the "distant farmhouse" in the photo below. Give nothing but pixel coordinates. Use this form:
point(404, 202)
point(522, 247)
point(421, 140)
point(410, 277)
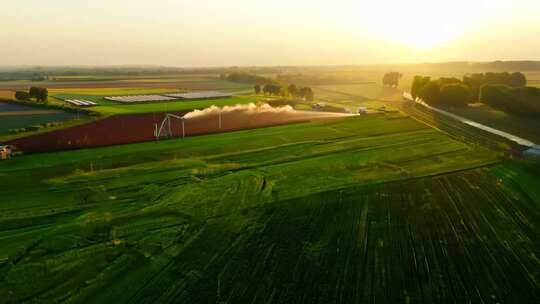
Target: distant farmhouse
point(5, 152)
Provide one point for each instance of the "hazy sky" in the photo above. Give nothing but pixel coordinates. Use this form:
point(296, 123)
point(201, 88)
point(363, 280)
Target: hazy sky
point(256, 32)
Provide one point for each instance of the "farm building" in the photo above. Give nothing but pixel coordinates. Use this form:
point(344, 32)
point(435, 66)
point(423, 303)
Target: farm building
point(5, 152)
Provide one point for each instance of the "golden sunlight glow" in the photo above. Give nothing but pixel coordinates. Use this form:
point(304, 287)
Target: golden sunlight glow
point(260, 32)
point(424, 24)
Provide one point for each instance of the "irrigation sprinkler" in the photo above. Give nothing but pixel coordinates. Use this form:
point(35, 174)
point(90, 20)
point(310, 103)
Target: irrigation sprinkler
point(166, 124)
point(169, 124)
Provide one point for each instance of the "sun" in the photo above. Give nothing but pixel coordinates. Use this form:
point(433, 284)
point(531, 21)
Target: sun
point(422, 24)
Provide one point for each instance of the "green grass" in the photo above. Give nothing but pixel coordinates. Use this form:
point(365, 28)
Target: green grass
point(106, 107)
point(348, 91)
point(114, 109)
point(364, 209)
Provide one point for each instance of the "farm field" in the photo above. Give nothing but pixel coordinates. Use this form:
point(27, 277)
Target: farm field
point(259, 152)
point(14, 116)
point(124, 129)
point(189, 82)
point(355, 210)
point(349, 91)
point(117, 109)
point(106, 107)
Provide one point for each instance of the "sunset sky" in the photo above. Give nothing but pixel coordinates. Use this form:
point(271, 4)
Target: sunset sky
point(255, 32)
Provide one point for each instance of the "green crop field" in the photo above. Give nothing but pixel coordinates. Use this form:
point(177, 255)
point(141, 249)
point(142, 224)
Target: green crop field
point(15, 122)
point(100, 92)
point(359, 210)
point(106, 107)
point(349, 91)
point(15, 116)
point(169, 106)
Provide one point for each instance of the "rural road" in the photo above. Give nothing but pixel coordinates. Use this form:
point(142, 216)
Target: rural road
point(534, 149)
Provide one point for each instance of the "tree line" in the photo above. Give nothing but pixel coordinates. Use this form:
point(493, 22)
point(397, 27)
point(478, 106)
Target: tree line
point(461, 92)
point(523, 101)
point(270, 86)
point(282, 90)
point(476, 81)
point(37, 93)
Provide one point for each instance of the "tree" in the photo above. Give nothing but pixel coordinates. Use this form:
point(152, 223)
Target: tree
point(257, 89)
point(306, 93)
point(454, 94)
point(33, 92)
point(392, 79)
point(293, 90)
point(21, 95)
point(243, 77)
point(448, 80)
point(418, 84)
point(517, 79)
point(283, 91)
point(272, 89)
point(474, 82)
point(43, 95)
point(40, 94)
point(430, 92)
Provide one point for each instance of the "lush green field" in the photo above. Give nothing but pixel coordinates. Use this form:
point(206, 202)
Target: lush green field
point(106, 107)
point(370, 209)
point(170, 106)
point(348, 91)
point(365, 209)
